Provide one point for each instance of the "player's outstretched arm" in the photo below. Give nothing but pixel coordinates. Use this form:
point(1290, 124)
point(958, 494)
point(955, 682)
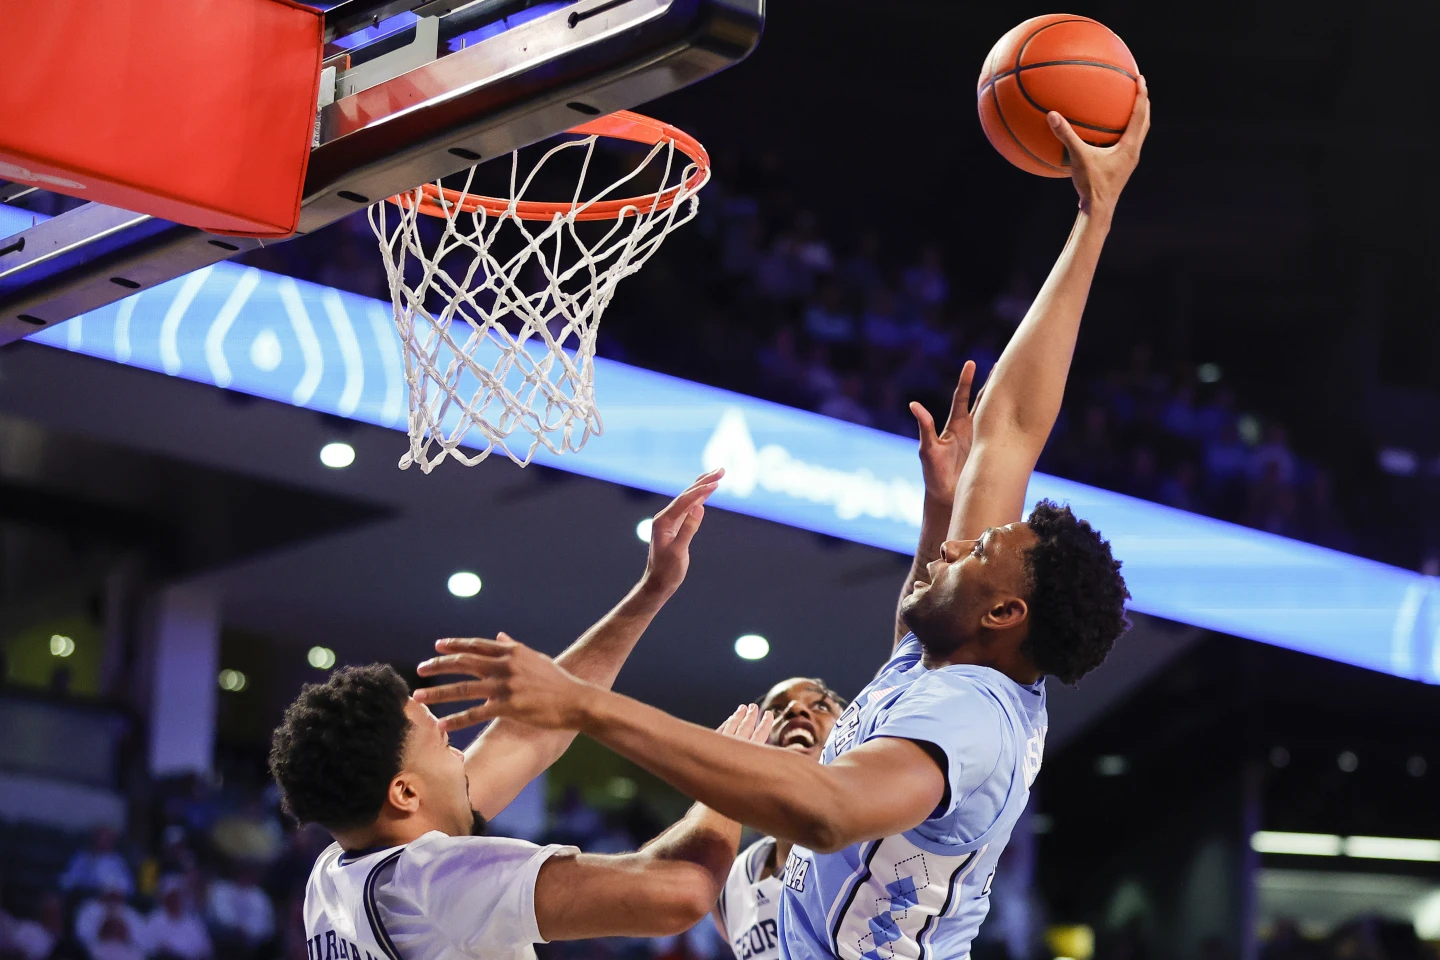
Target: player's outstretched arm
point(664, 888)
point(778, 791)
point(942, 458)
point(1023, 393)
point(508, 755)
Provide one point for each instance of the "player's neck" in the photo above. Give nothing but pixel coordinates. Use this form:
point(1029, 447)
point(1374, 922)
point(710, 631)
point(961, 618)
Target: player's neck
point(1004, 658)
point(383, 834)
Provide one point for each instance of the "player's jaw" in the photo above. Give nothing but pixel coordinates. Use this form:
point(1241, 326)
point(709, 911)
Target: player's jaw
point(967, 580)
point(439, 770)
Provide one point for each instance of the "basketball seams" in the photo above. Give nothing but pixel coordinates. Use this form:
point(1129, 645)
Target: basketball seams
point(1055, 63)
point(1020, 82)
point(1017, 67)
point(1000, 112)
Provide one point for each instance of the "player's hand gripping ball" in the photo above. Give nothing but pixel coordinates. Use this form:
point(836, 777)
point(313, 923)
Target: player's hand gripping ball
point(1061, 62)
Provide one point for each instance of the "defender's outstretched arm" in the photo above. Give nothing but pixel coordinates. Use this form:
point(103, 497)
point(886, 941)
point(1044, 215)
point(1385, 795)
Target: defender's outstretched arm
point(942, 458)
point(1024, 392)
point(508, 755)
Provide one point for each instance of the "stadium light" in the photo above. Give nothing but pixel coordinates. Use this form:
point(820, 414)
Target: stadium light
point(752, 646)
point(61, 645)
point(464, 584)
point(642, 529)
point(321, 658)
point(1297, 844)
point(1393, 848)
point(337, 455)
point(233, 681)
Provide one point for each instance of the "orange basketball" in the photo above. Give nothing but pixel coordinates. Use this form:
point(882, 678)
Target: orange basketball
point(1056, 62)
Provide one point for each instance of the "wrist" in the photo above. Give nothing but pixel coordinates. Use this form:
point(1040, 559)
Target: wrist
point(652, 592)
point(588, 707)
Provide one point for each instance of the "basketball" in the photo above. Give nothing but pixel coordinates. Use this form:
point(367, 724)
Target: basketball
point(1061, 62)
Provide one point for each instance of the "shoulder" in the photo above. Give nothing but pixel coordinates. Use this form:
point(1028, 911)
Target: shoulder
point(434, 863)
point(751, 862)
point(957, 695)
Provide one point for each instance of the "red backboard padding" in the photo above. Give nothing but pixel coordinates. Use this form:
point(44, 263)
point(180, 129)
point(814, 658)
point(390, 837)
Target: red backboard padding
point(197, 111)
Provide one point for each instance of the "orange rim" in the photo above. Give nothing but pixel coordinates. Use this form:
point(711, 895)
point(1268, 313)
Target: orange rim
point(437, 201)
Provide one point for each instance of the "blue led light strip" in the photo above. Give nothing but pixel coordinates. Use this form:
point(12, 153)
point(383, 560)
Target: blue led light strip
point(311, 346)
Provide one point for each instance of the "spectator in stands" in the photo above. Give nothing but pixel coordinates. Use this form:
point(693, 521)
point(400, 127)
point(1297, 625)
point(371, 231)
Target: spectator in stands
point(240, 910)
point(1182, 490)
point(827, 320)
point(251, 834)
point(861, 272)
point(38, 939)
point(106, 911)
point(1286, 943)
point(98, 867)
point(925, 283)
point(847, 404)
point(1274, 452)
point(174, 930)
point(116, 940)
point(881, 326)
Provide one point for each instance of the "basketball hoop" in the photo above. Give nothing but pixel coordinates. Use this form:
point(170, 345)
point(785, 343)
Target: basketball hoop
point(499, 342)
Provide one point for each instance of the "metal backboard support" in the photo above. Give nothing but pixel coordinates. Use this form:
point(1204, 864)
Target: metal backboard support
point(408, 108)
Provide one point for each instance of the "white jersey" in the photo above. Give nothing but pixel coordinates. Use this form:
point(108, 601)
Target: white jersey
point(749, 906)
point(436, 898)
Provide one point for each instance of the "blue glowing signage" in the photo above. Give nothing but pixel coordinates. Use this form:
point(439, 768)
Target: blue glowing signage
point(312, 346)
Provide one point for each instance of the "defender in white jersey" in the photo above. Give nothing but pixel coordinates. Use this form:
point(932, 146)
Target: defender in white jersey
point(897, 831)
point(749, 908)
point(408, 879)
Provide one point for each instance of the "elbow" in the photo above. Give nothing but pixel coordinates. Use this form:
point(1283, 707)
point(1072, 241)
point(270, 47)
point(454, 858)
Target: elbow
point(824, 836)
point(684, 905)
point(817, 825)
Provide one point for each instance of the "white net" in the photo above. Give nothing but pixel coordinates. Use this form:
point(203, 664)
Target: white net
point(498, 309)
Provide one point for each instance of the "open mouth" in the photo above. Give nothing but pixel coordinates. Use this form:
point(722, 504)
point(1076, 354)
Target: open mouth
point(798, 734)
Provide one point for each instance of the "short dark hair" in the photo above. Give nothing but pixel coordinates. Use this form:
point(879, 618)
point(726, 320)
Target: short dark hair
point(1077, 595)
point(340, 745)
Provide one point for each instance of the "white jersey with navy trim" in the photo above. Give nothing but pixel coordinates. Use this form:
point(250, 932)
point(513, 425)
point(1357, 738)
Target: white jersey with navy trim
point(750, 904)
point(436, 898)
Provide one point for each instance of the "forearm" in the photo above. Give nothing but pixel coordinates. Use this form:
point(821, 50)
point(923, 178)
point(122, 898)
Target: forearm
point(508, 754)
point(1026, 387)
point(779, 792)
point(934, 527)
point(597, 656)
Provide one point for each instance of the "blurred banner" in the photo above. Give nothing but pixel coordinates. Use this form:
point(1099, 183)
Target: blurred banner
point(336, 352)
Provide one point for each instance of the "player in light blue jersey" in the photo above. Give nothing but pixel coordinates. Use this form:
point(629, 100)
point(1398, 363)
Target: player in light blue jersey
point(898, 830)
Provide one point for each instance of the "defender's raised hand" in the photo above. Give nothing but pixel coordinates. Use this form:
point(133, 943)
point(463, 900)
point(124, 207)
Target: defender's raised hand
point(513, 680)
point(671, 531)
point(1100, 173)
point(943, 455)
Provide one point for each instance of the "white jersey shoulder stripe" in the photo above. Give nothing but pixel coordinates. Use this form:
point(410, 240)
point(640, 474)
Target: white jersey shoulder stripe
point(372, 913)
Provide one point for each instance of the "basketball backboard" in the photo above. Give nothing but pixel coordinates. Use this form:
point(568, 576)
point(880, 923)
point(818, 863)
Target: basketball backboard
point(411, 91)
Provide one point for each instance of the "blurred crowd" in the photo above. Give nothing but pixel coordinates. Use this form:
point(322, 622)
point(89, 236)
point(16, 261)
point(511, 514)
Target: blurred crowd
point(224, 880)
point(759, 297)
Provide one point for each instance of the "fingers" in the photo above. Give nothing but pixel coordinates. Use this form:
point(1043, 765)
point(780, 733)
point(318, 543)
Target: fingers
point(927, 423)
point(468, 718)
point(688, 526)
point(763, 726)
point(1066, 134)
point(732, 723)
point(960, 402)
point(1139, 125)
point(669, 520)
point(454, 692)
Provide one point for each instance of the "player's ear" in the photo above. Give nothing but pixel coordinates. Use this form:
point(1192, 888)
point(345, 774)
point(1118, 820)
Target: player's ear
point(403, 794)
point(1006, 613)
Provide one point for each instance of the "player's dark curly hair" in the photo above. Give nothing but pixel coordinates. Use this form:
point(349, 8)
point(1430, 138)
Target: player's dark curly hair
point(1077, 596)
point(340, 745)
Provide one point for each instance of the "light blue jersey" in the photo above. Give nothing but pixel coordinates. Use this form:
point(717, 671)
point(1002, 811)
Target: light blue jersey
point(922, 893)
